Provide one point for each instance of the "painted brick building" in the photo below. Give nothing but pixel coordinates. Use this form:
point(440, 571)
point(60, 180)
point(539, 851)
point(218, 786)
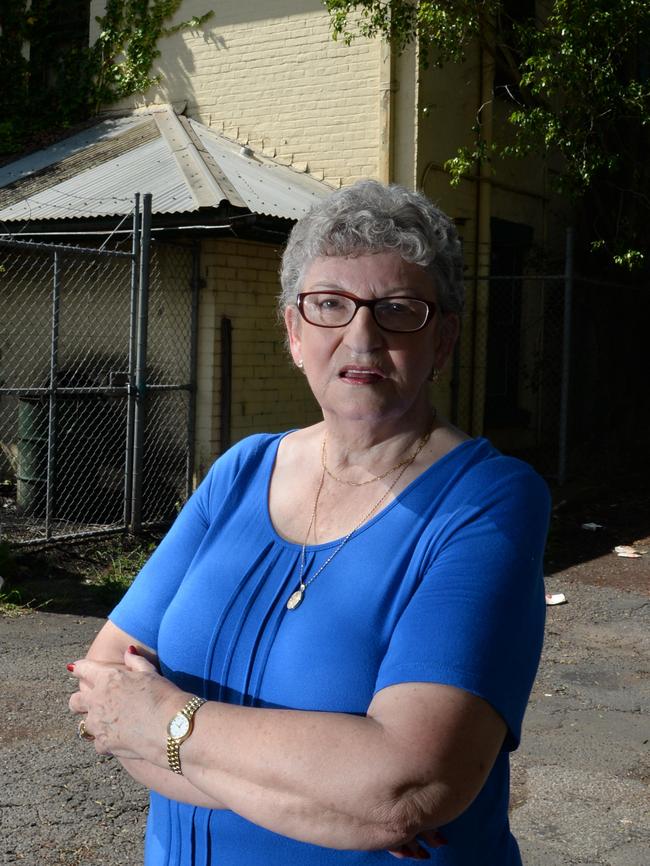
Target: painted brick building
point(263, 86)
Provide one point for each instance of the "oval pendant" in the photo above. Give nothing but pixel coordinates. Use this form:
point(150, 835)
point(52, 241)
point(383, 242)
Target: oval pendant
point(295, 599)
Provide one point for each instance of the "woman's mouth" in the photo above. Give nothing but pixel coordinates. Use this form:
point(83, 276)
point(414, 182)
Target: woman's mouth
point(361, 375)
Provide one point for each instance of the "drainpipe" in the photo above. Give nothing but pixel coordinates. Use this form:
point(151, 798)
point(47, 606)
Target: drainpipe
point(387, 88)
point(482, 240)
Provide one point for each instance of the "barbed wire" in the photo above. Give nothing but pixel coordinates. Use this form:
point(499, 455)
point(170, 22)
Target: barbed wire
point(91, 197)
point(62, 202)
point(116, 229)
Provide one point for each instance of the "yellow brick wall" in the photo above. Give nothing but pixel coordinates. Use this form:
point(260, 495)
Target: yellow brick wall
point(269, 74)
point(268, 393)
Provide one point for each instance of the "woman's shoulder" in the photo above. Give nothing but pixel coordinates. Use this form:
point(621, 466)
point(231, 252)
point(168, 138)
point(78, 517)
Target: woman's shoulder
point(298, 445)
point(247, 453)
point(250, 446)
point(485, 475)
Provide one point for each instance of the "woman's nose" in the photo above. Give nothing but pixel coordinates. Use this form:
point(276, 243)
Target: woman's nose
point(363, 334)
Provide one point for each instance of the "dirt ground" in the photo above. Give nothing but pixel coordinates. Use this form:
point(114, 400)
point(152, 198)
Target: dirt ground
point(580, 779)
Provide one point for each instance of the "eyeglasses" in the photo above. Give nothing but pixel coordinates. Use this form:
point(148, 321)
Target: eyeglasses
point(337, 309)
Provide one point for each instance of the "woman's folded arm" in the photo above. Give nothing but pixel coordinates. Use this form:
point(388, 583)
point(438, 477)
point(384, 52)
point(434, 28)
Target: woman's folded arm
point(414, 762)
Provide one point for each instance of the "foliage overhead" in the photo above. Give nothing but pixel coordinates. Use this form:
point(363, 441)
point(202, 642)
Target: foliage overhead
point(576, 77)
point(61, 80)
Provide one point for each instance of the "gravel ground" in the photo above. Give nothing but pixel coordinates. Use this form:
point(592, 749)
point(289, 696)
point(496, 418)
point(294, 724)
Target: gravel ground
point(580, 779)
point(61, 804)
point(580, 792)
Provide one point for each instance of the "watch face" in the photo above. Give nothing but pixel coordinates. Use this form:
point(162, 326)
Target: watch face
point(179, 726)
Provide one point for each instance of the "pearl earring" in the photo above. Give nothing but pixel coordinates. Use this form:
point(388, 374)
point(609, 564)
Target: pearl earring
point(299, 364)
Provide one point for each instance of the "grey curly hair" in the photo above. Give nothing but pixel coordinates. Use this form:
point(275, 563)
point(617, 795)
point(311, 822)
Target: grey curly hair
point(371, 217)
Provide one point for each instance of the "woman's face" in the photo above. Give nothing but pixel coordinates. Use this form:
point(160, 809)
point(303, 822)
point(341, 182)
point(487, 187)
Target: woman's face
point(360, 371)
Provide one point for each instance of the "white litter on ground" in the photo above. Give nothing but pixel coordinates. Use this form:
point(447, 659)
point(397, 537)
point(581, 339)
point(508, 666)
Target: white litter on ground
point(627, 551)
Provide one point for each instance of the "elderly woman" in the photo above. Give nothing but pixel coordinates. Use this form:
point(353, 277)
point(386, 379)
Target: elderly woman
point(328, 658)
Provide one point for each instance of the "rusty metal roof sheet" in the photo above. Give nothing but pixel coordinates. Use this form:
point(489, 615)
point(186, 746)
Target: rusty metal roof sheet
point(184, 164)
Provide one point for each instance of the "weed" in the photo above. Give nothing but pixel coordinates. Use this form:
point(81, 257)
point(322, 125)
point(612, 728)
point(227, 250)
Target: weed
point(13, 604)
point(111, 581)
point(88, 578)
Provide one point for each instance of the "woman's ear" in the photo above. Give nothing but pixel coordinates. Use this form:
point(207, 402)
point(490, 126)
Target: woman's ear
point(293, 326)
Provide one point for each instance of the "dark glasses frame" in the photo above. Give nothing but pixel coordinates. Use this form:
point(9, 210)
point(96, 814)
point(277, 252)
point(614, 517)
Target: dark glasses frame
point(359, 302)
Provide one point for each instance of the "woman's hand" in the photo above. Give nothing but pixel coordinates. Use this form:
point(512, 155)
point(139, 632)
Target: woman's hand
point(126, 706)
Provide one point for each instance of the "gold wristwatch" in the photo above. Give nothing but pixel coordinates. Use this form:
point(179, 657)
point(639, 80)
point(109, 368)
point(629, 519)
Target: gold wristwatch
point(178, 730)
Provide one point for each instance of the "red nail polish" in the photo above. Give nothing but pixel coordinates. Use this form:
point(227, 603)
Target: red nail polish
point(133, 650)
point(70, 667)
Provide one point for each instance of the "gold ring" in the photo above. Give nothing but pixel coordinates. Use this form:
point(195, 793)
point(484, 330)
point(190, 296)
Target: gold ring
point(82, 732)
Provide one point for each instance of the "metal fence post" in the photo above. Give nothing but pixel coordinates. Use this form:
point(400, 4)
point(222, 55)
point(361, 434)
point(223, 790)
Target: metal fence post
point(130, 385)
point(141, 365)
point(225, 400)
point(194, 339)
point(566, 358)
point(52, 414)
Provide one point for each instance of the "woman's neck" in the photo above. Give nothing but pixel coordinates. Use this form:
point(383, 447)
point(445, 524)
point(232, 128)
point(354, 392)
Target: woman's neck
point(355, 447)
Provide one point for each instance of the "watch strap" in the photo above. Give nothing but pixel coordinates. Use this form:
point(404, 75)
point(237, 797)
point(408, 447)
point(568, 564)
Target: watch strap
point(174, 743)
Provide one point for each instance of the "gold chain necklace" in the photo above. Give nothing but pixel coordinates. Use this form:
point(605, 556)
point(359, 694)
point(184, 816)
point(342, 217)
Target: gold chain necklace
point(405, 462)
point(295, 599)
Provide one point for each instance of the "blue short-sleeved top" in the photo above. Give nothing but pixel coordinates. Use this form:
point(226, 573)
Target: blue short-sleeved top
point(443, 585)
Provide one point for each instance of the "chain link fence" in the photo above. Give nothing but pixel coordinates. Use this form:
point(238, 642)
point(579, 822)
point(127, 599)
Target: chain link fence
point(608, 412)
point(97, 378)
point(563, 378)
point(96, 386)
point(168, 452)
point(523, 406)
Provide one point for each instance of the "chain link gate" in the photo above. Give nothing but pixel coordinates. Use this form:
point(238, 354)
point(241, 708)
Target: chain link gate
point(96, 385)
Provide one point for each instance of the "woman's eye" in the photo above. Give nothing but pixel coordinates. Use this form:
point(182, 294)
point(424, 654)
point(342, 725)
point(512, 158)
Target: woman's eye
point(330, 304)
point(395, 308)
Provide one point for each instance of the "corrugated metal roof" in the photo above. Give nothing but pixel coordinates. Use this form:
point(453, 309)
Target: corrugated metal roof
point(184, 164)
point(74, 144)
point(264, 185)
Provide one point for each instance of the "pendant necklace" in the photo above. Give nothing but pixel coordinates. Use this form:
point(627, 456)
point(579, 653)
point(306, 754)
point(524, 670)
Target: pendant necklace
point(296, 598)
